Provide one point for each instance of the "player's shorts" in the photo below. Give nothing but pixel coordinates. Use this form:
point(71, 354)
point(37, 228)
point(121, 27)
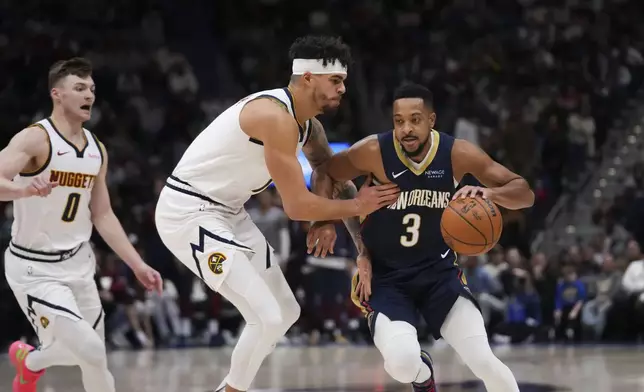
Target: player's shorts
point(206, 236)
point(48, 285)
point(429, 293)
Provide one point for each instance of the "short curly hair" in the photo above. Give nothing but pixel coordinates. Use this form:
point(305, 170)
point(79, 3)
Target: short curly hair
point(319, 47)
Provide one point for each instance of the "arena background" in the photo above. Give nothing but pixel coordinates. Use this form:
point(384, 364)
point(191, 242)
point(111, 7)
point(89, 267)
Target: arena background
point(550, 88)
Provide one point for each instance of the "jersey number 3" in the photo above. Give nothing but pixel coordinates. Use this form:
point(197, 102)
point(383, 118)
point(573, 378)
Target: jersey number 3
point(412, 223)
point(71, 208)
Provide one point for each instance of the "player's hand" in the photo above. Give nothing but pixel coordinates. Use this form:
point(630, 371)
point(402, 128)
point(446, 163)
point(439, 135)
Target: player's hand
point(371, 198)
point(322, 237)
point(149, 277)
point(363, 288)
point(39, 186)
point(473, 191)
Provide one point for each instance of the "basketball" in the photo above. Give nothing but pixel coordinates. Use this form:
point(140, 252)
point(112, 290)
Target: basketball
point(471, 226)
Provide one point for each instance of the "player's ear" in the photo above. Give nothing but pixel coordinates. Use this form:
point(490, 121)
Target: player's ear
point(307, 77)
point(54, 94)
point(432, 119)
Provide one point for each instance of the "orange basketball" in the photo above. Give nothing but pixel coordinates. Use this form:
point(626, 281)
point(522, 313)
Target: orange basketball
point(471, 226)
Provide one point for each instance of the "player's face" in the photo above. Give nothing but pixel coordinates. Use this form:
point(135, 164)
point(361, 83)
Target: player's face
point(413, 123)
point(76, 96)
point(328, 91)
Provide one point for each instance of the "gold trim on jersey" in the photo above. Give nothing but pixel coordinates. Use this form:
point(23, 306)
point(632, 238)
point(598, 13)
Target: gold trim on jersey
point(271, 98)
point(263, 187)
point(435, 140)
point(33, 173)
point(100, 147)
point(79, 152)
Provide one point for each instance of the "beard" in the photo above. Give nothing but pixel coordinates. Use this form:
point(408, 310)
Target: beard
point(327, 106)
point(416, 152)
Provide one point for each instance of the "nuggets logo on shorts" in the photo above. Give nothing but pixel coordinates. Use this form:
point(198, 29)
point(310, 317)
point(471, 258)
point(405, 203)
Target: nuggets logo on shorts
point(215, 263)
point(44, 322)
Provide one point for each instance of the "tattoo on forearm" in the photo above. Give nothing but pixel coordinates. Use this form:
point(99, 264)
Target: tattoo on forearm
point(346, 191)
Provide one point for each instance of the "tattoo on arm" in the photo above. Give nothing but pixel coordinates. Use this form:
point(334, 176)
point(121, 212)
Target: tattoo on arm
point(346, 191)
point(317, 149)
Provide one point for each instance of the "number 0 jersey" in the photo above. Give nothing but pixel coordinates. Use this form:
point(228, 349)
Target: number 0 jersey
point(407, 233)
point(62, 220)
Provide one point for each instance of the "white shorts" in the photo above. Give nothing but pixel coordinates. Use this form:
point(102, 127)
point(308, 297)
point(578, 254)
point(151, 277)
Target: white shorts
point(206, 236)
point(58, 285)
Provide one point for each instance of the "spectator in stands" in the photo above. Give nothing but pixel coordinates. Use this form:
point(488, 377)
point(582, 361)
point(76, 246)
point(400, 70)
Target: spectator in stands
point(523, 315)
point(569, 299)
point(545, 282)
point(606, 286)
point(485, 288)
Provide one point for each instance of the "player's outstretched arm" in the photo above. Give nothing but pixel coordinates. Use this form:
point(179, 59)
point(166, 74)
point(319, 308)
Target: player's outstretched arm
point(322, 234)
point(110, 229)
point(360, 159)
point(504, 187)
point(277, 130)
point(24, 147)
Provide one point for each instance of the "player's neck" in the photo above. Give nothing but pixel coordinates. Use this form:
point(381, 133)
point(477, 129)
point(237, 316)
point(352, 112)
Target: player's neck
point(304, 109)
point(69, 128)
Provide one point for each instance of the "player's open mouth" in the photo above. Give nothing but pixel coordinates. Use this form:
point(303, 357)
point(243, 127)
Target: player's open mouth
point(86, 107)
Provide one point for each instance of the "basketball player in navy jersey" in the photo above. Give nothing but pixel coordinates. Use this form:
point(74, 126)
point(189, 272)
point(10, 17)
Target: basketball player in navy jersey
point(406, 268)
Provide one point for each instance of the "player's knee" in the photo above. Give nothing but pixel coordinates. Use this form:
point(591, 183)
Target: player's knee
point(402, 358)
point(398, 344)
point(95, 354)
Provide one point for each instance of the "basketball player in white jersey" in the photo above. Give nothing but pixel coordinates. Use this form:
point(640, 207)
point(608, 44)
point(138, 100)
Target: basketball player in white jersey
point(200, 215)
point(54, 171)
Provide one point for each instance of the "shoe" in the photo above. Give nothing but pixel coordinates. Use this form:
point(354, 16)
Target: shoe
point(25, 380)
point(430, 384)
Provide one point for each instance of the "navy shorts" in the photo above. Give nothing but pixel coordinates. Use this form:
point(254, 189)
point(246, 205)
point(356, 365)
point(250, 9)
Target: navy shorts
point(407, 296)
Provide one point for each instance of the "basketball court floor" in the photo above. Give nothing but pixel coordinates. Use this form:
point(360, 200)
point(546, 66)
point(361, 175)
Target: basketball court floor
point(357, 369)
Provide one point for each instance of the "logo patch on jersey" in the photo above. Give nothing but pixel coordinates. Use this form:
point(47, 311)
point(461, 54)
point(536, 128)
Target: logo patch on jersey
point(435, 173)
point(72, 180)
point(44, 322)
point(61, 153)
point(215, 263)
point(421, 198)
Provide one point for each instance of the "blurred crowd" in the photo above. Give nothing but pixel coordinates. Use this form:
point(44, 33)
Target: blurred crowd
point(535, 83)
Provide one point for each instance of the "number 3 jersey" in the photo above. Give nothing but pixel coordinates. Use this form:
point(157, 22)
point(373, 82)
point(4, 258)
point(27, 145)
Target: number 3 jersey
point(62, 220)
point(406, 234)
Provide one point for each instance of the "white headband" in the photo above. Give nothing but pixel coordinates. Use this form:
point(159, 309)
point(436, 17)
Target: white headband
point(316, 67)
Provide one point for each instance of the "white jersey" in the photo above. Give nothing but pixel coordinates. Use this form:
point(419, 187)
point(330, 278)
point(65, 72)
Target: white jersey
point(62, 220)
point(223, 163)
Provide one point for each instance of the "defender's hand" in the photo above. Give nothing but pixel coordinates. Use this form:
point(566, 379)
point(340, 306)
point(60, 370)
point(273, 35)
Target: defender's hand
point(321, 236)
point(39, 186)
point(371, 198)
point(363, 288)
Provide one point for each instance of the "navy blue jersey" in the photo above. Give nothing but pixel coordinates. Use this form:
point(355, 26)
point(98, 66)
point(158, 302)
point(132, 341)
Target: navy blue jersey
point(407, 235)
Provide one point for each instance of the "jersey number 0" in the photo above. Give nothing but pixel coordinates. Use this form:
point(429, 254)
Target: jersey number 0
point(71, 208)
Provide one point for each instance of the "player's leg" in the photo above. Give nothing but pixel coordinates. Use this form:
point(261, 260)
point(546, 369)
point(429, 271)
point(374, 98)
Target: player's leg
point(95, 373)
point(205, 243)
point(253, 347)
point(451, 312)
point(66, 339)
point(391, 315)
